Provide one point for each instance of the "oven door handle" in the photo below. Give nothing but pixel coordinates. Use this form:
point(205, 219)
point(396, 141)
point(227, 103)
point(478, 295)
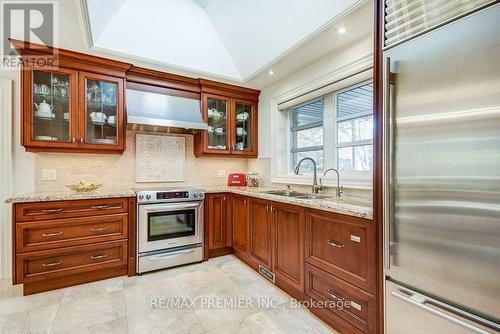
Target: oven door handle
point(169, 207)
point(170, 254)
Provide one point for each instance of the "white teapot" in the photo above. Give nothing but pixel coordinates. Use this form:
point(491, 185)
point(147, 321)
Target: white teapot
point(44, 107)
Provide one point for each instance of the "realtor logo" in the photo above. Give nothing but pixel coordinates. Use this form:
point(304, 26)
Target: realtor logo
point(31, 22)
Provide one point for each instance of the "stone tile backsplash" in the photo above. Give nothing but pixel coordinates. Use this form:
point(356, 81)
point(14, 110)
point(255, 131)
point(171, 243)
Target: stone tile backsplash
point(118, 171)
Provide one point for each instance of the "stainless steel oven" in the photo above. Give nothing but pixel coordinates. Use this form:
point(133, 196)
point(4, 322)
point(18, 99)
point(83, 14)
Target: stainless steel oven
point(169, 228)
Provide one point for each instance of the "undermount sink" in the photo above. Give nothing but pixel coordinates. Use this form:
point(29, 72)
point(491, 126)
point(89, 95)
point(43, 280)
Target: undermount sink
point(285, 193)
point(312, 196)
point(295, 194)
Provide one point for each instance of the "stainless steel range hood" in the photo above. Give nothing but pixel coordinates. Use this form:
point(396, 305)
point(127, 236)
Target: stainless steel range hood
point(160, 112)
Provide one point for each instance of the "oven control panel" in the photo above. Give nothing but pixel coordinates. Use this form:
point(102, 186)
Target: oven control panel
point(149, 196)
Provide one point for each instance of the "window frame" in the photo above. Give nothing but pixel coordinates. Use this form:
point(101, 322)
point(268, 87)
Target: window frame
point(330, 140)
point(282, 97)
point(353, 143)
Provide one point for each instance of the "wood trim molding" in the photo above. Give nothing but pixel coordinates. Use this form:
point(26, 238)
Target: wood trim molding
point(162, 79)
point(161, 90)
point(238, 92)
point(6, 174)
point(72, 59)
point(83, 14)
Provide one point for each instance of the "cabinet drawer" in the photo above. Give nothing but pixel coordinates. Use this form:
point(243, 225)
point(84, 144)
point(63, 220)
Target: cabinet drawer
point(341, 245)
point(70, 209)
point(49, 234)
point(70, 260)
point(346, 300)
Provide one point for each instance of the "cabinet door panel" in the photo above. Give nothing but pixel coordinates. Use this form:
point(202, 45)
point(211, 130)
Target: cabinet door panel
point(50, 108)
point(244, 127)
point(216, 111)
point(341, 245)
point(260, 231)
point(101, 112)
point(288, 247)
point(240, 223)
point(217, 220)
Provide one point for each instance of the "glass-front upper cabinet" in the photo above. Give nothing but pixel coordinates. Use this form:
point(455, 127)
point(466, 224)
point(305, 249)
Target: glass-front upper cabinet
point(217, 115)
point(244, 122)
point(52, 108)
point(65, 110)
point(101, 105)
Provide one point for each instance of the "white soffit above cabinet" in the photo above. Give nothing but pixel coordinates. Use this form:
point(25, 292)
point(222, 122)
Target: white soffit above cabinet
point(232, 39)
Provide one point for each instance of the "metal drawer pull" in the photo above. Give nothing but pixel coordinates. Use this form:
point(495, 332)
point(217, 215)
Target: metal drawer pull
point(100, 207)
point(449, 313)
point(356, 305)
point(52, 264)
point(334, 244)
point(329, 292)
point(46, 235)
point(53, 210)
point(355, 238)
point(96, 257)
point(100, 229)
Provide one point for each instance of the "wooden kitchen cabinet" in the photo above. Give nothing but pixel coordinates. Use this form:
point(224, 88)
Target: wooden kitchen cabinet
point(260, 228)
point(264, 233)
point(50, 108)
point(313, 254)
point(101, 123)
point(240, 224)
point(288, 244)
point(217, 213)
point(342, 245)
point(62, 243)
point(231, 114)
point(76, 106)
point(355, 309)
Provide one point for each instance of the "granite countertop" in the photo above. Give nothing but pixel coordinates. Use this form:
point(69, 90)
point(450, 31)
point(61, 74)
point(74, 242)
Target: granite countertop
point(63, 195)
point(345, 205)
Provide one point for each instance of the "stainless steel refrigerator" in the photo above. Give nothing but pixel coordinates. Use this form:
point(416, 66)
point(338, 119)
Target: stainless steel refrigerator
point(442, 178)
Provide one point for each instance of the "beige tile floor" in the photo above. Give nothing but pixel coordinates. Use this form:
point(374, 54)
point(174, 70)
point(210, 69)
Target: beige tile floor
point(123, 304)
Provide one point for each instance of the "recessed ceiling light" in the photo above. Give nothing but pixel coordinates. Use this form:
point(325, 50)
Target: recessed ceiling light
point(271, 72)
point(342, 30)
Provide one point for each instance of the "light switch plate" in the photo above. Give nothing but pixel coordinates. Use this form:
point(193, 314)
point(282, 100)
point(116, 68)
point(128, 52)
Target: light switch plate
point(221, 173)
point(49, 175)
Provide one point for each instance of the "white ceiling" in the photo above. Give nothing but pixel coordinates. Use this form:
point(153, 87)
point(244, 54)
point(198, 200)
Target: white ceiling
point(232, 39)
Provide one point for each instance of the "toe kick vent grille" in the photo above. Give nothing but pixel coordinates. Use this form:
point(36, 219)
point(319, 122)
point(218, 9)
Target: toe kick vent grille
point(266, 273)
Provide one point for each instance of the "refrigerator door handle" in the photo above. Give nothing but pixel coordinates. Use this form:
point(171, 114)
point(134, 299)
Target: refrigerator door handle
point(388, 141)
point(423, 302)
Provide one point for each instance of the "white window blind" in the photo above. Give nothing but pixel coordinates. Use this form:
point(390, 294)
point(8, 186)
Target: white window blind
point(354, 143)
point(407, 18)
point(307, 133)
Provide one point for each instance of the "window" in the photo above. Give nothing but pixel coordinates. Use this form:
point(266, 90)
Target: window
point(354, 119)
point(307, 134)
point(336, 130)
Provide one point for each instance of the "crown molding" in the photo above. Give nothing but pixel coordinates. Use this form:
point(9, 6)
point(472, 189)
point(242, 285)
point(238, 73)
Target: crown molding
point(84, 22)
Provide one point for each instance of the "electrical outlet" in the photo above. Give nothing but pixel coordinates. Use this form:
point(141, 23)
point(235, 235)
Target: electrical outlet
point(49, 175)
point(221, 173)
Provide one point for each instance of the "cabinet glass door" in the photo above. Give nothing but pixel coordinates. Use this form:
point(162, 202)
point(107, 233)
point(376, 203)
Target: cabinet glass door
point(52, 107)
point(101, 110)
point(217, 116)
point(243, 127)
